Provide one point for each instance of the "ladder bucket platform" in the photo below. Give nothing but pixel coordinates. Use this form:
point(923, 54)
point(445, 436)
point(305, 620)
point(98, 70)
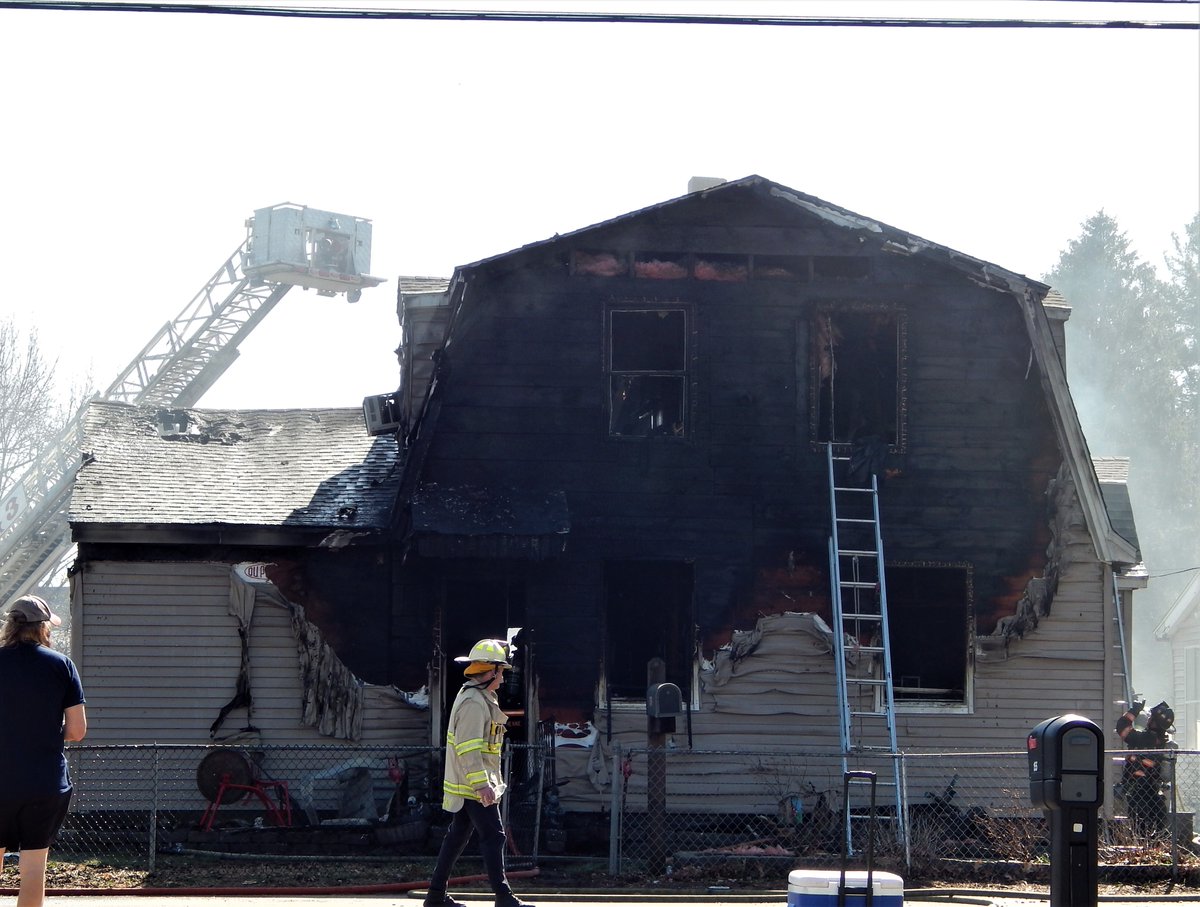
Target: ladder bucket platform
point(309, 248)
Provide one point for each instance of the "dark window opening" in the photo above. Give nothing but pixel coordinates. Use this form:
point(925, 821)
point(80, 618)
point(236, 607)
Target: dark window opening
point(481, 609)
point(648, 614)
point(929, 612)
point(857, 358)
point(647, 372)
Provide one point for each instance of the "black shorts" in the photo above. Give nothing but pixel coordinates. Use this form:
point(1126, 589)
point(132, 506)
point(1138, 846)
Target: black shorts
point(32, 824)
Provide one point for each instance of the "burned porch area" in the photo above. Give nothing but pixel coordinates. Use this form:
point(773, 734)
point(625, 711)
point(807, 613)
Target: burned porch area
point(232, 605)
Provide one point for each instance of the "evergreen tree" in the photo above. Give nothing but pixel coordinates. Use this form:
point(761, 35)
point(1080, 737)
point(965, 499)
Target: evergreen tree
point(1133, 368)
point(1115, 361)
point(1183, 296)
point(1181, 338)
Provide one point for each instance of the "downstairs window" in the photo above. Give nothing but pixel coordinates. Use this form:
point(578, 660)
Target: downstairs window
point(929, 629)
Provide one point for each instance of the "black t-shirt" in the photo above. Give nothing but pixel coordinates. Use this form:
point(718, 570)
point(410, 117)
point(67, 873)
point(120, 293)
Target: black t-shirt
point(37, 685)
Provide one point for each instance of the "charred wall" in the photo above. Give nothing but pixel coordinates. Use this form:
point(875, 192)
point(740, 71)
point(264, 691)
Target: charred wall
point(741, 492)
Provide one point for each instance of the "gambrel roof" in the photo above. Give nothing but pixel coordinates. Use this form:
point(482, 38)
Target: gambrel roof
point(1111, 545)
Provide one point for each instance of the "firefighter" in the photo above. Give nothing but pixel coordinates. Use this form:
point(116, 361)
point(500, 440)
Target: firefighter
point(473, 784)
point(1142, 775)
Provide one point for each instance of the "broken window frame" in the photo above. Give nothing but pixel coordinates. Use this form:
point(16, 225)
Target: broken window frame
point(619, 629)
point(823, 378)
point(901, 617)
point(633, 387)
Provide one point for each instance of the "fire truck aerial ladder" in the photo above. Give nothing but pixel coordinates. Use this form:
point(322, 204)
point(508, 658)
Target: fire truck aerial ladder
point(286, 246)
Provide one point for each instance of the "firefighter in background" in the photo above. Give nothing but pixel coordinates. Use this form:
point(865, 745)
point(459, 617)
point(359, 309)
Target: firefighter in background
point(1142, 776)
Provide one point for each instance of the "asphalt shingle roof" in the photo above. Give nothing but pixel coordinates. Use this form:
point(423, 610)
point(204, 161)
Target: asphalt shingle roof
point(313, 468)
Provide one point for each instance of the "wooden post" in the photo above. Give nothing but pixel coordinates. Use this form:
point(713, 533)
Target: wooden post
point(656, 777)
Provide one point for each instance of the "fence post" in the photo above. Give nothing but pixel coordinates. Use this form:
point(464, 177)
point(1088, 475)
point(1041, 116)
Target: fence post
point(614, 811)
point(1174, 818)
point(902, 801)
point(154, 810)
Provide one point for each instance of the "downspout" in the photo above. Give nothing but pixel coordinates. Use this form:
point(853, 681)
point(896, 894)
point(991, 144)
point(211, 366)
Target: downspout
point(1121, 638)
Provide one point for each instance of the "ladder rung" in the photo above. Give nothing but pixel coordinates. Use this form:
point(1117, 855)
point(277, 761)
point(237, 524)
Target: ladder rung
point(867, 681)
point(856, 584)
point(860, 615)
point(851, 552)
point(879, 782)
point(848, 520)
point(869, 650)
point(853, 490)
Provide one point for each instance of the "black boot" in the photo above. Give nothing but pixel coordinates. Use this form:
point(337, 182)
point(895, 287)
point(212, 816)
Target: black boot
point(508, 899)
point(441, 899)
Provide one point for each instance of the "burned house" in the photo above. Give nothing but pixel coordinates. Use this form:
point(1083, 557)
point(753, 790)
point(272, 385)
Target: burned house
point(615, 444)
point(621, 444)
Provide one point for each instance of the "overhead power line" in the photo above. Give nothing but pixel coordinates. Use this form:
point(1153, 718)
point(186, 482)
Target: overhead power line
point(293, 12)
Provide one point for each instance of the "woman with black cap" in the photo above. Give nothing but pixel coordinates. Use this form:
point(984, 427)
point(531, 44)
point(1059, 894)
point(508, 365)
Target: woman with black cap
point(41, 707)
point(473, 784)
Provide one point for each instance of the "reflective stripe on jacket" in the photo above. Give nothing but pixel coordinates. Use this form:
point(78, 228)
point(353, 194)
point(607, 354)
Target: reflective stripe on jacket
point(474, 739)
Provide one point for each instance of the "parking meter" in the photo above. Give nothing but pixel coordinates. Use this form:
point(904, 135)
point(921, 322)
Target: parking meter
point(1066, 779)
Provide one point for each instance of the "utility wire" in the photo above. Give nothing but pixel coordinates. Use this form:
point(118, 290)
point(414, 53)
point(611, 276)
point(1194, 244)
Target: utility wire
point(291, 12)
point(1173, 572)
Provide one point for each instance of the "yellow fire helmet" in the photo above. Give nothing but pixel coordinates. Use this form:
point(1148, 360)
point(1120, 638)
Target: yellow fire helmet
point(487, 651)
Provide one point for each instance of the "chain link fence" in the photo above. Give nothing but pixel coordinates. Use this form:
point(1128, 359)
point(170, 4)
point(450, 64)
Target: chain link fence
point(684, 813)
point(958, 817)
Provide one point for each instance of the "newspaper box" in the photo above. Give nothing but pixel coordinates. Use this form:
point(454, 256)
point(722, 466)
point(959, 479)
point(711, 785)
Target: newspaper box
point(819, 888)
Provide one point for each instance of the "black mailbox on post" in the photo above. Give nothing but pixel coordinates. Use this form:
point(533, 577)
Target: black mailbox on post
point(1066, 768)
point(1066, 763)
point(664, 700)
point(664, 703)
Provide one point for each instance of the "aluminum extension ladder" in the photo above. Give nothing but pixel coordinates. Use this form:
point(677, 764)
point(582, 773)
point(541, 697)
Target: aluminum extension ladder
point(866, 700)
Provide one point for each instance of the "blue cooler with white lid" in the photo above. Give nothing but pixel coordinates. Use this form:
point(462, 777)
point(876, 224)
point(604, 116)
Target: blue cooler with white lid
point(819, 888)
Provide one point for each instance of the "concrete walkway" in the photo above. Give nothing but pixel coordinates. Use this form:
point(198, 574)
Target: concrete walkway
point(922, 898)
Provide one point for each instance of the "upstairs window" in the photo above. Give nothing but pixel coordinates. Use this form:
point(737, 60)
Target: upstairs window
point(857, 374)
point(647, 371)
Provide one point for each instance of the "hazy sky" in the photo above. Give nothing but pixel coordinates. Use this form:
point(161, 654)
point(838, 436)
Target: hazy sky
point(136, 145)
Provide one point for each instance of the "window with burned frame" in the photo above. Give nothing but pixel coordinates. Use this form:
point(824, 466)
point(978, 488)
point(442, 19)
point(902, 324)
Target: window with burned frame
point(858, 375)
point(930, 607)
point(647, 357)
